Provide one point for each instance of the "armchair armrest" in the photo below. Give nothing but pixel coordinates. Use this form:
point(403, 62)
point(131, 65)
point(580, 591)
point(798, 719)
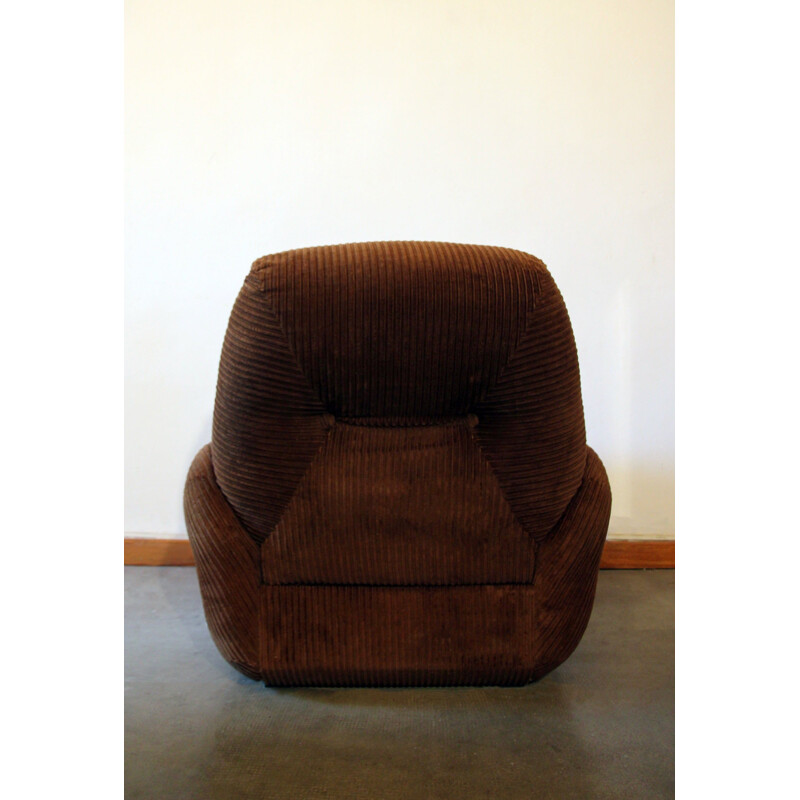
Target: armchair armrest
point(567, 564)
point(227, 567)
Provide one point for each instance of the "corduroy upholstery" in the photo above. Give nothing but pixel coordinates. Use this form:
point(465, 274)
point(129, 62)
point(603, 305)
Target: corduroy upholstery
point(398, 490)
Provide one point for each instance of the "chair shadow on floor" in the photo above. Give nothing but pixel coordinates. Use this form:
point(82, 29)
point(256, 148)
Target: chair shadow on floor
point(385, 743)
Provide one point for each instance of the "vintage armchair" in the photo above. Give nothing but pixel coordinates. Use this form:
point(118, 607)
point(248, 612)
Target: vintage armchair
point(398, 489)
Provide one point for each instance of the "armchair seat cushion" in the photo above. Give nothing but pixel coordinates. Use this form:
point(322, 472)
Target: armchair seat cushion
point(388, 504)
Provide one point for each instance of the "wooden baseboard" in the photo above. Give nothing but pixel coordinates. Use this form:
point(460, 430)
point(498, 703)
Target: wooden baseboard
point(158, 553)
point(638, 554)
point(617, 553)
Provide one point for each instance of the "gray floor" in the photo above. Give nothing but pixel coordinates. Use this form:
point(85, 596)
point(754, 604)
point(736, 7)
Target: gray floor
point(600, 726)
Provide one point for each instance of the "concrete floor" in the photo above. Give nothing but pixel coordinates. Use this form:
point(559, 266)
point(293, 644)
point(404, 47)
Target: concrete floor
point(600, 726)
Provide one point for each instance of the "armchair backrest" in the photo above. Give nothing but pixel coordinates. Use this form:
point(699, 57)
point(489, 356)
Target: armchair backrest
point(408, 393)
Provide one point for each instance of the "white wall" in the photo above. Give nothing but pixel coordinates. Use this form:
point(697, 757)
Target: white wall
point(254, 127)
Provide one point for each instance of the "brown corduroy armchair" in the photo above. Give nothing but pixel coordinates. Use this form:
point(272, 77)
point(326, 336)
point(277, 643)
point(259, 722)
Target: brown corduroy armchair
point(398, 489)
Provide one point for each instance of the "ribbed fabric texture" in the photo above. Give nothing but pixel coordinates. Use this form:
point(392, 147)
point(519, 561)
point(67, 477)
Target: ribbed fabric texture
point(531, 421)
point(569, 560)
point(444, 635)
point(404, 329)
point(227, 567)
point(398, 636)
point(399, 461)
point(404, 505)
point(268, 422)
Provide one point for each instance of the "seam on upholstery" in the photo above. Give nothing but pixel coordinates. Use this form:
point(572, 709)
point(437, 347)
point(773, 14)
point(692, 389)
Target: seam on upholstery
point(537, 295)
point(261, 581)
point(260, 613)
point(499, 486)
point(513, 513)
point(322, 585)
point(263, 261)
point(539, 265)
point(395, 422)
point(572, 499)
point(244, 528)
point(259, 271)
point(299, 483)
